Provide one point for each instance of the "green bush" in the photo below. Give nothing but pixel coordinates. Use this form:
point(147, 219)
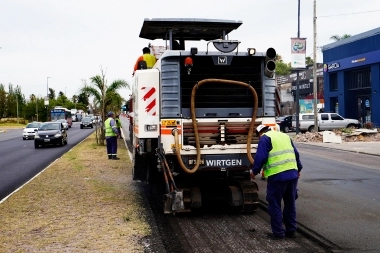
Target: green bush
point(348, 130)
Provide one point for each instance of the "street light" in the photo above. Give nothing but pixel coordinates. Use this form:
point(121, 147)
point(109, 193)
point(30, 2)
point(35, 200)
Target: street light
point(47, 96)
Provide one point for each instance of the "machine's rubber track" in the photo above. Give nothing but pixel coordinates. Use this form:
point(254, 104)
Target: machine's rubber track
point(250, 195)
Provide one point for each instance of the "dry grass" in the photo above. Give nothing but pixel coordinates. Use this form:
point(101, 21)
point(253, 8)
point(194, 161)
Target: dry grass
point(82, 203)
point(11, 125)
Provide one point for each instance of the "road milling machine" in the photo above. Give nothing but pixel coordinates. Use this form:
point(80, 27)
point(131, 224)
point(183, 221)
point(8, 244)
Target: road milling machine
point(193, 115)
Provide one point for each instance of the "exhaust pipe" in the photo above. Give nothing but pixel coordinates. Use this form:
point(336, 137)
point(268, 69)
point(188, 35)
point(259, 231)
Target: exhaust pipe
point(270, 64)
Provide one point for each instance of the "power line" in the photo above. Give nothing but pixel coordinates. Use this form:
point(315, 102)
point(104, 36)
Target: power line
point(352, 13)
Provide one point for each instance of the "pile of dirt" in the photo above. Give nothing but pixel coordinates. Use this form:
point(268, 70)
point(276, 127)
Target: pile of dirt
point(309, 137)
point(346, 137)
point(363, 137)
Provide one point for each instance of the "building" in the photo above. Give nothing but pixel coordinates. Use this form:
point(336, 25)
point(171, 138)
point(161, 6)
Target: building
point(288, 84)
point(352, 77)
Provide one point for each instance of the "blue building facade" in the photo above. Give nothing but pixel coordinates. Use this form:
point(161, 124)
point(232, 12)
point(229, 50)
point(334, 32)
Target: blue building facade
point(352, 77)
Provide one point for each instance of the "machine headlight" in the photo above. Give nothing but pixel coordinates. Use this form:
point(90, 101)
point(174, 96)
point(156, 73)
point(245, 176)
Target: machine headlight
point(57, 135)
point(251, 51)
point(36, 135)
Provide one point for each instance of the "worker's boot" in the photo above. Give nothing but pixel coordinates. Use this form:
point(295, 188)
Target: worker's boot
point(109, 156)
point(114, 157)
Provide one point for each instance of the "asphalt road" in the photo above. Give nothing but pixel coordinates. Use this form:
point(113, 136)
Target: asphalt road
point(20, 161)
point(339, 197)
point(338, 205)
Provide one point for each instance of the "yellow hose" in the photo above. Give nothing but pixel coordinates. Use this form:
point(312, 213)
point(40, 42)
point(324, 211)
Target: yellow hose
point(195, 127)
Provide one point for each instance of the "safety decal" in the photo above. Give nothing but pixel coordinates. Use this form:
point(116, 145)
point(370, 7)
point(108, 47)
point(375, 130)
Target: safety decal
point(150, 99)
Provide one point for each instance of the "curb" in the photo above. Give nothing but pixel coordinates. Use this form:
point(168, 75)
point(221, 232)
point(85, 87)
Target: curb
point(333, 148)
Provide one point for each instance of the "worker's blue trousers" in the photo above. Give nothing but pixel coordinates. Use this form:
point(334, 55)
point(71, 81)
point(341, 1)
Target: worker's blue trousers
point(276, 192)
point(111, 145)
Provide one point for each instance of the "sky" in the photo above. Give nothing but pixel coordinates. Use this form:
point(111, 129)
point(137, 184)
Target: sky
point(72, 40)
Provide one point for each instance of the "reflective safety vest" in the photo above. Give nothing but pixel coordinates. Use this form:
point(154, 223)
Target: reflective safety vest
point(109, 131)
point(281, 158)
point(148, 58)
point(118, 123)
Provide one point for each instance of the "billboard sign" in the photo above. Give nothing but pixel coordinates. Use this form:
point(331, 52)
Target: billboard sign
point(298, 53)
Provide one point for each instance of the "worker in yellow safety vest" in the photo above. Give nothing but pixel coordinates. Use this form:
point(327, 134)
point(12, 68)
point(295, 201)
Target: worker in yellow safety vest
point(118, 126)
point(111, 136)
point(147, 57)
point(279, 158)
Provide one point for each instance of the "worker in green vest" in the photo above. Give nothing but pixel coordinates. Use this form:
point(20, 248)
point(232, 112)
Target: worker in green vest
point(279, 158)
point(118, 126)
point(111, 136)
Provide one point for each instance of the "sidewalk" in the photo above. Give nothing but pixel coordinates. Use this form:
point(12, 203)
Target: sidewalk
point(370, 148)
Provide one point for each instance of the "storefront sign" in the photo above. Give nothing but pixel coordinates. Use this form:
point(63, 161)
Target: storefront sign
point(358, 60)
point(302, 86)
point(331, 66)
point(354, 61)
point(303, 75)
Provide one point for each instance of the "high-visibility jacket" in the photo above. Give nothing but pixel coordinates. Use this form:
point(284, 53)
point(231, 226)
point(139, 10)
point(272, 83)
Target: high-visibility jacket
point(118, 123)
point(109, 128)
point(148, 58)
point(281, 158)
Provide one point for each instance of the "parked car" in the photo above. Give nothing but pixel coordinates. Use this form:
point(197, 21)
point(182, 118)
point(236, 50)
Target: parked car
point(285, 123)
point(30, 130)
point(50, 133)
point(65, 123)
point(86, 122)
point(326, 121)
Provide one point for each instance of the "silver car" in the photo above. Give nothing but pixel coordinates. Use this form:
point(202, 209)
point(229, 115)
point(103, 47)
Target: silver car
point(30, 130)
point(64, 123)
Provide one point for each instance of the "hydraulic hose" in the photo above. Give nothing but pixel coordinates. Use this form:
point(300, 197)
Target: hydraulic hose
point(195, 127)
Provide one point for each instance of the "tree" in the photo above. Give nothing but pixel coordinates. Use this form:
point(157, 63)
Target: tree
point(105, 97)
point(309, 61)
point(74, 99)
point(3, 100)
point(11, 102)
point(51, 93)
point(338, 38)
point(83, 98)
point(281, 67)
point(61, 99)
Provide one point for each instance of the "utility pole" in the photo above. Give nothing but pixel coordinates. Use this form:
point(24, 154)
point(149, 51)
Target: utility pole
point(315, 84)
point(298, 75)
point(47, 98)
point(17, 109)
point(37, 108)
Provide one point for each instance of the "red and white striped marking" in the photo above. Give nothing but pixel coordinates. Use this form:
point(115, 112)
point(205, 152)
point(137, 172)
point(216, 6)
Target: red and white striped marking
point(150, 99)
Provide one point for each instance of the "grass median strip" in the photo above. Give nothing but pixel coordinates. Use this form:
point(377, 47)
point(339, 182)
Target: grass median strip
point(83, 202)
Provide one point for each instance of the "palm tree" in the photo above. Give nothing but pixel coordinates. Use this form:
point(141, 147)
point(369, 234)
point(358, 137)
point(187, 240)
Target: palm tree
point(105, 97)
point(338, 38)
